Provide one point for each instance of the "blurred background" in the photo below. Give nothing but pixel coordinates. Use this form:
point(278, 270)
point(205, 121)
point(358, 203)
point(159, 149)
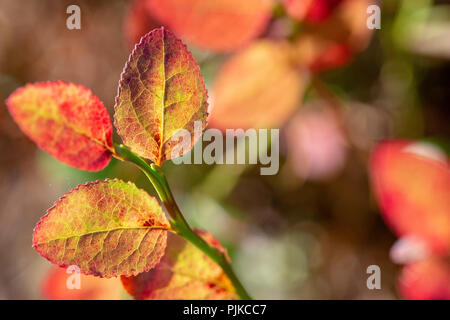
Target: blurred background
point(309, 232)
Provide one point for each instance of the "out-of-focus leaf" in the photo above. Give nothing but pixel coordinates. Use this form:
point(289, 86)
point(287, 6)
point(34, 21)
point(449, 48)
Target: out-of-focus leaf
point(139, 21)
point(408, 249)
point(334, 42)
point(257, 88)
point(161, 91)
point(217, 25)
point(317, 147)
point(106, 228)
point(183, 273)
point(413, 192)
point(313, 11)
point(54, 287)
point(297, 9)
point(425, 280)
point(321, 10)
point(66, 120)
point(320, 54)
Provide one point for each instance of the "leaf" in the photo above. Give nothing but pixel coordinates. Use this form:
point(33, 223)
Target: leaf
point(320, 10)
point(257, 88)
point(183, 273)
point(54, 287)
point(106, 228)
point(413, 192)
point(161, 91)
point(297, 9)
point(139, 21)
point(216, 25)
point(425, 280)
point(341, 33)
point(320, 54)
point(317, 147)
point(311, 11)
point(66, 120)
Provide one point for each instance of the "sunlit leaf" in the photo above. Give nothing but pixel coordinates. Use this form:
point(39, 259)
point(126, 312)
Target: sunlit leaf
point(106, 228)
point(217, 25)
point(183, 273)
point(413, 192)
point(66, 120)
point(55, 286)
point(257, 88)
point(161, 91)
point(425, 280)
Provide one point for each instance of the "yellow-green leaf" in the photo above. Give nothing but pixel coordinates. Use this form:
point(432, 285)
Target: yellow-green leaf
point(184, 272)
point(106, 228)
point(161, 91)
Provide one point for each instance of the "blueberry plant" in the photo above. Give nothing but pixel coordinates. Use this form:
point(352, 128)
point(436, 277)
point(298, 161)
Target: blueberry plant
point(411, 181)
point(111, 228)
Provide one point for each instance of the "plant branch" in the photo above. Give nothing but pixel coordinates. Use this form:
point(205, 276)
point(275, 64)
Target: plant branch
point(179, 223)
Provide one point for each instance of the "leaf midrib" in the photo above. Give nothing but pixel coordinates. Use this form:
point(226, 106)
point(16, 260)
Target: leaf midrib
point(68, 125)
point(163, 100)
point(166, 228)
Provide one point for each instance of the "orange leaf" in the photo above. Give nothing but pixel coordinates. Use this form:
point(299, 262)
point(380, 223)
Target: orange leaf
point(161, 91)
point(425, 280)
point(297, 9)
point(66, 120)
point(337, 39)
point(257, 88)
point(106, 228)
point(217, 25)
point(413, 192)
point(139, 21)
point(183, 273)
point(54, 287)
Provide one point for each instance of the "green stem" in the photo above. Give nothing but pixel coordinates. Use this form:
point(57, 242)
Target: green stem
point(179, 223)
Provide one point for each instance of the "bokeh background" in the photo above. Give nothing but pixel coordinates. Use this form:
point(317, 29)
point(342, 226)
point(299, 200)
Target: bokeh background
point(308, 232)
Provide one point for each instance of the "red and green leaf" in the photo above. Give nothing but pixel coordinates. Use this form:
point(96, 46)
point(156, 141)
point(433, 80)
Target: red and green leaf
point(66, 120)
point(183, 273)
point(257, 88)
point(54, 287)
point(217, 25)
point(161, 91)
point(413, 191)
point(106, 228)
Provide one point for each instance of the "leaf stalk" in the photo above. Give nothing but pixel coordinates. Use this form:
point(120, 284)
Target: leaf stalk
point(178, 222)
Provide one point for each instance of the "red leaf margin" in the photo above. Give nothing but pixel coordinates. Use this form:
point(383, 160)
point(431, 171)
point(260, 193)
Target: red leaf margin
point(44, 217)
point(127, 67)
point(101, 158)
